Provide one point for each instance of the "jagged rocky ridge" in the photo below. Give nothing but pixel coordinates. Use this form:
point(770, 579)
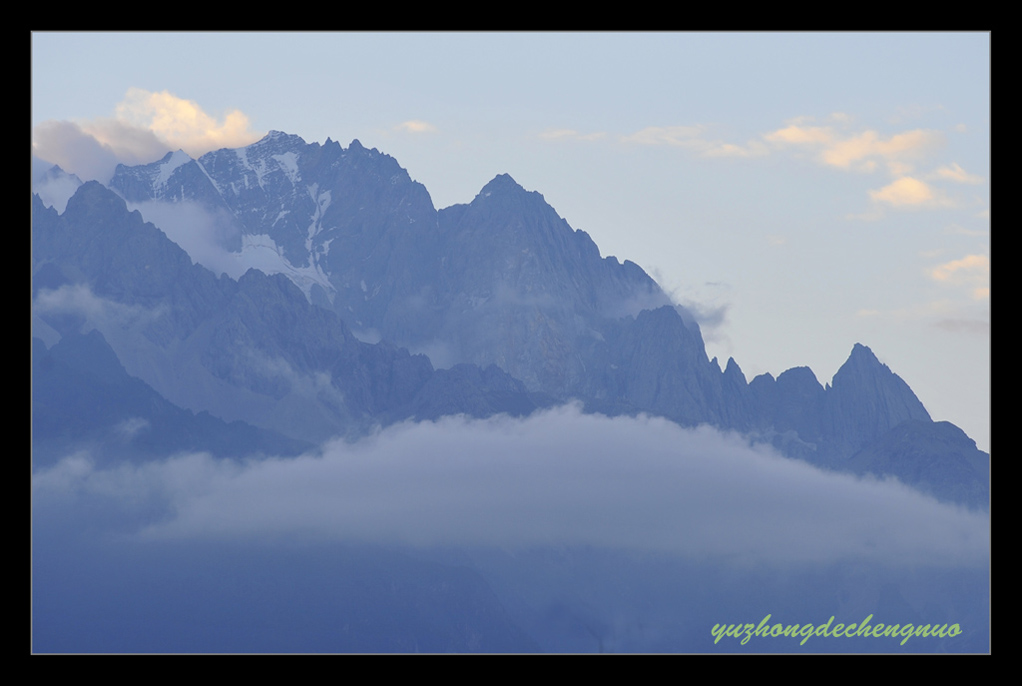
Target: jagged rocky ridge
point(521, 307)
point(253, 350)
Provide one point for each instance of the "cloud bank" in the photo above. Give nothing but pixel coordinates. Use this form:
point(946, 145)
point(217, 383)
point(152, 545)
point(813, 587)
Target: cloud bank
point(558, 477)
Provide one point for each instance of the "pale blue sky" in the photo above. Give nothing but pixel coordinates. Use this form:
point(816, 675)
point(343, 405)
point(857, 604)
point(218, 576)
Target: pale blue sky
point(811, 190)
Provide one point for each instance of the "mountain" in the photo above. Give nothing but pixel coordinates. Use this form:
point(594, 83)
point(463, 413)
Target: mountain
point(503, 280)
point(255, 304)
point(935, 457)
point(53, 184)
point(340, 298)
point(81, 395)
point(252, 350)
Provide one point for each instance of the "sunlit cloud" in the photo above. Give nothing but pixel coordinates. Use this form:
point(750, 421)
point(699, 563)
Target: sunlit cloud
point(416, 126)
point(972, 271)
point(969, 264)
point(910, 192)
point(183, 123)
point(953, 172)
point(862, 151)
point(145, 127)
point(800, 135)
point(845, 153)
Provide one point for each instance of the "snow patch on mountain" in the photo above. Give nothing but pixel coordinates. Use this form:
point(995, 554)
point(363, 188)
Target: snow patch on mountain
point(208, 176)
point(289, 165)
point(166, 169)
point(242, 154)
point(259, 251)
point(322, 201)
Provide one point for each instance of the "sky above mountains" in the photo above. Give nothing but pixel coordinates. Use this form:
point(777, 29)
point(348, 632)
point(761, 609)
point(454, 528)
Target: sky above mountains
point(800, 192)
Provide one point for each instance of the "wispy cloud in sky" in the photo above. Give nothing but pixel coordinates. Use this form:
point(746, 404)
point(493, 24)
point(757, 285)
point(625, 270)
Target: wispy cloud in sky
point(691, 137)
point(571, 134)
point(972, 271)
point(862, 151)
point(954, 172)
point(415, 126)
point(683, 136)
point(832, 143)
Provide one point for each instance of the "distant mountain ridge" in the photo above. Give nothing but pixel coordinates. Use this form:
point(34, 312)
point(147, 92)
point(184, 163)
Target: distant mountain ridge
point(521, 307)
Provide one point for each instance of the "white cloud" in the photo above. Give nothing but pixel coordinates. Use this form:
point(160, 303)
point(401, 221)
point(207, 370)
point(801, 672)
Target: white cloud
point(55, 191)
point(102, 313)
point(954, 172)
point(415, 126)
point(751, 149)
point(558, 477)
point(861, 151)
point(910, 192)
point(205, 236)
point(802, 135)
point(972, 271)
point(129, 428)
point(183, 123)
point(970, 264)
point(691, 137)
point(147, 125)
point(79, 152)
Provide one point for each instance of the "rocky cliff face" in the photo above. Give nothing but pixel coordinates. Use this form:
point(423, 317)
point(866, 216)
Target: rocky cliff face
point(254, 349)
point(523, 290)
point(866, 400)
point(82, 397)
point(502, 280)
point(935, 457)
